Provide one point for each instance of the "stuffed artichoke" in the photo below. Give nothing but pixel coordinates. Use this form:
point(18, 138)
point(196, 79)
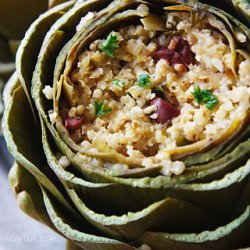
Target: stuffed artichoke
point(129, 124)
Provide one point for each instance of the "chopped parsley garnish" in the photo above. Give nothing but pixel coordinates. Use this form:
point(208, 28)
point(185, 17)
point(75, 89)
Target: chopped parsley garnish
point(110, 44)
point(205, 96)
point(118, 83)
point(144, 81)
point(100, 109)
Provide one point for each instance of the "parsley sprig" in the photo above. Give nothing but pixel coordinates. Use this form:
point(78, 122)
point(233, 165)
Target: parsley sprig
point(144, 81)
point(118, 83)
point(205, 96)
point(100, 109)
point(110, 44)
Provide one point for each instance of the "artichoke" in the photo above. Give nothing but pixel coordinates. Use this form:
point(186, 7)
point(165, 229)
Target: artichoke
point(129, 124)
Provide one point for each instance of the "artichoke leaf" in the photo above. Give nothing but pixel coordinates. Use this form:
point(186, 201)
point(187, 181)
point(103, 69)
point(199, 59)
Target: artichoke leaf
point(28, 194)
point(232, 235)
point(168, 214)
point(153, 22)
point(21, 135)
point(29, 48)
point(72, 230)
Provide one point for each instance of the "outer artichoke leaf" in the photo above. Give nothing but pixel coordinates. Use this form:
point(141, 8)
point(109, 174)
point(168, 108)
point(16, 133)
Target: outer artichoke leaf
point(205, 195)
point(235, 234)
point(218, 168)
point(28, 194)
point(168, 214)
point(211, 195)
point(84, 237)
point(21, 136)
point(16, 16)
point(30, 46)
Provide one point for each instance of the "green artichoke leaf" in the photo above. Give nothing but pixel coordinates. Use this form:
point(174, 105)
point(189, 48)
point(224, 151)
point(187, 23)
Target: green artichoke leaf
point(232, 235)
point(30, 46)
point(22, 135)
point(204, 195)
point(168, 214)
point(28, 194)
point(86, 239)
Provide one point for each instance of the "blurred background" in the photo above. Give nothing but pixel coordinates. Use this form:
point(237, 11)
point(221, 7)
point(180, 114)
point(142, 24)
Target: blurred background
point(17, 230)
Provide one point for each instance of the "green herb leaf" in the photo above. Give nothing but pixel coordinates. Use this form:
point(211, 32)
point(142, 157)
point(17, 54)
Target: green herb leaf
point(99, 109)
point(205, 96)
point(118, 83)
point(197, 94)
point(144, 81)
point(110, 44)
